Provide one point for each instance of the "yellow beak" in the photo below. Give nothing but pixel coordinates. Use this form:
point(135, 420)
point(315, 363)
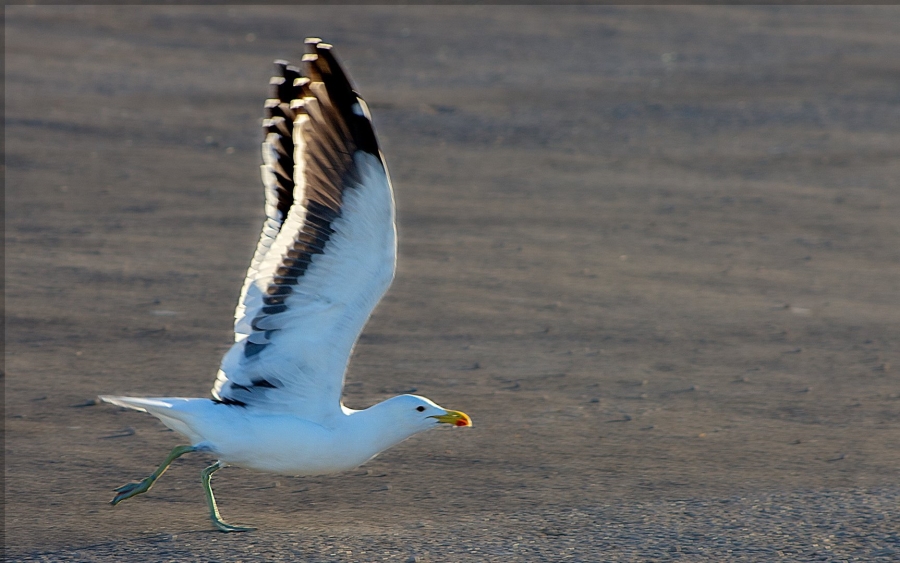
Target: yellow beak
point(455, 418)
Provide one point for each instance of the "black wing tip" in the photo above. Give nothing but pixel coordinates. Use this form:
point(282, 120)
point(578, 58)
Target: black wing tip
point(229, 402)
point(319, 64)
point(322, 64)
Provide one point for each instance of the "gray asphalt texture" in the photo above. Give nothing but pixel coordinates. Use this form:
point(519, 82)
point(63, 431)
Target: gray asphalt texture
point(654, 252)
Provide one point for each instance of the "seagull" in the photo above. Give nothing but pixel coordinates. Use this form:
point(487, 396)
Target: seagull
point(326, 255)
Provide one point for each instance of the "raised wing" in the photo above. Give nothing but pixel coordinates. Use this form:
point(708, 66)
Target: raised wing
point(328, 247)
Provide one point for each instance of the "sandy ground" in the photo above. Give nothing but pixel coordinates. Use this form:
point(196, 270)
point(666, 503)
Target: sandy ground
point(654, 252)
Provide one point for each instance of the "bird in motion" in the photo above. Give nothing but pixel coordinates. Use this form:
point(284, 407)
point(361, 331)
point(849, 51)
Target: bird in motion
point(325, 257)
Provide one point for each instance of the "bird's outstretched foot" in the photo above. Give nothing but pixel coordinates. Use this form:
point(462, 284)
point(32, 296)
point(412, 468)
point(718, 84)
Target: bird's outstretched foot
point(131, 489)
point(225, 527)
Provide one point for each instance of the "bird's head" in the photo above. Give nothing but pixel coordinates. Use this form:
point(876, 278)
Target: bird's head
point(426, 414)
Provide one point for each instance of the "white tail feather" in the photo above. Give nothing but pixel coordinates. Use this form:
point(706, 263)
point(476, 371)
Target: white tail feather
point(165, 409)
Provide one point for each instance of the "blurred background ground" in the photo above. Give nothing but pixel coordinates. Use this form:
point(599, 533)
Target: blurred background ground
point(654, 252)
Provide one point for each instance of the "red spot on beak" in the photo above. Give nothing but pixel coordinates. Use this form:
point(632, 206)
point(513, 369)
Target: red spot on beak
point(462, 423)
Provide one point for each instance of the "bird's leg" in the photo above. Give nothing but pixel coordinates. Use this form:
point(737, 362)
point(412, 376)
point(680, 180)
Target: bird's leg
point(132, 489)
point(214, 515)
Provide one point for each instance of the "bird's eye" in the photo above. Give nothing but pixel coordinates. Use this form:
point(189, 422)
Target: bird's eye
point(420, 409)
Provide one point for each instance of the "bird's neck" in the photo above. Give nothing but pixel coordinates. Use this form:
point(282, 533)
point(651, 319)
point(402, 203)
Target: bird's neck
point(378, 429)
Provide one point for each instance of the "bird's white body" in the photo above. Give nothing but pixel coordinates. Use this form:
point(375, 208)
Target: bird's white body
point(286, 443)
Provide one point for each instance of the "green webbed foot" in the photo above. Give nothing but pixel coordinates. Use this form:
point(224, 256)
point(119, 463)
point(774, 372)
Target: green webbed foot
point(225, 527)
point(132, 489)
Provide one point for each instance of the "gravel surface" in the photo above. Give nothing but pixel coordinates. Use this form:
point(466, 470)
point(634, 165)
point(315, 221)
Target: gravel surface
point(849, 525)
point(654, 252)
